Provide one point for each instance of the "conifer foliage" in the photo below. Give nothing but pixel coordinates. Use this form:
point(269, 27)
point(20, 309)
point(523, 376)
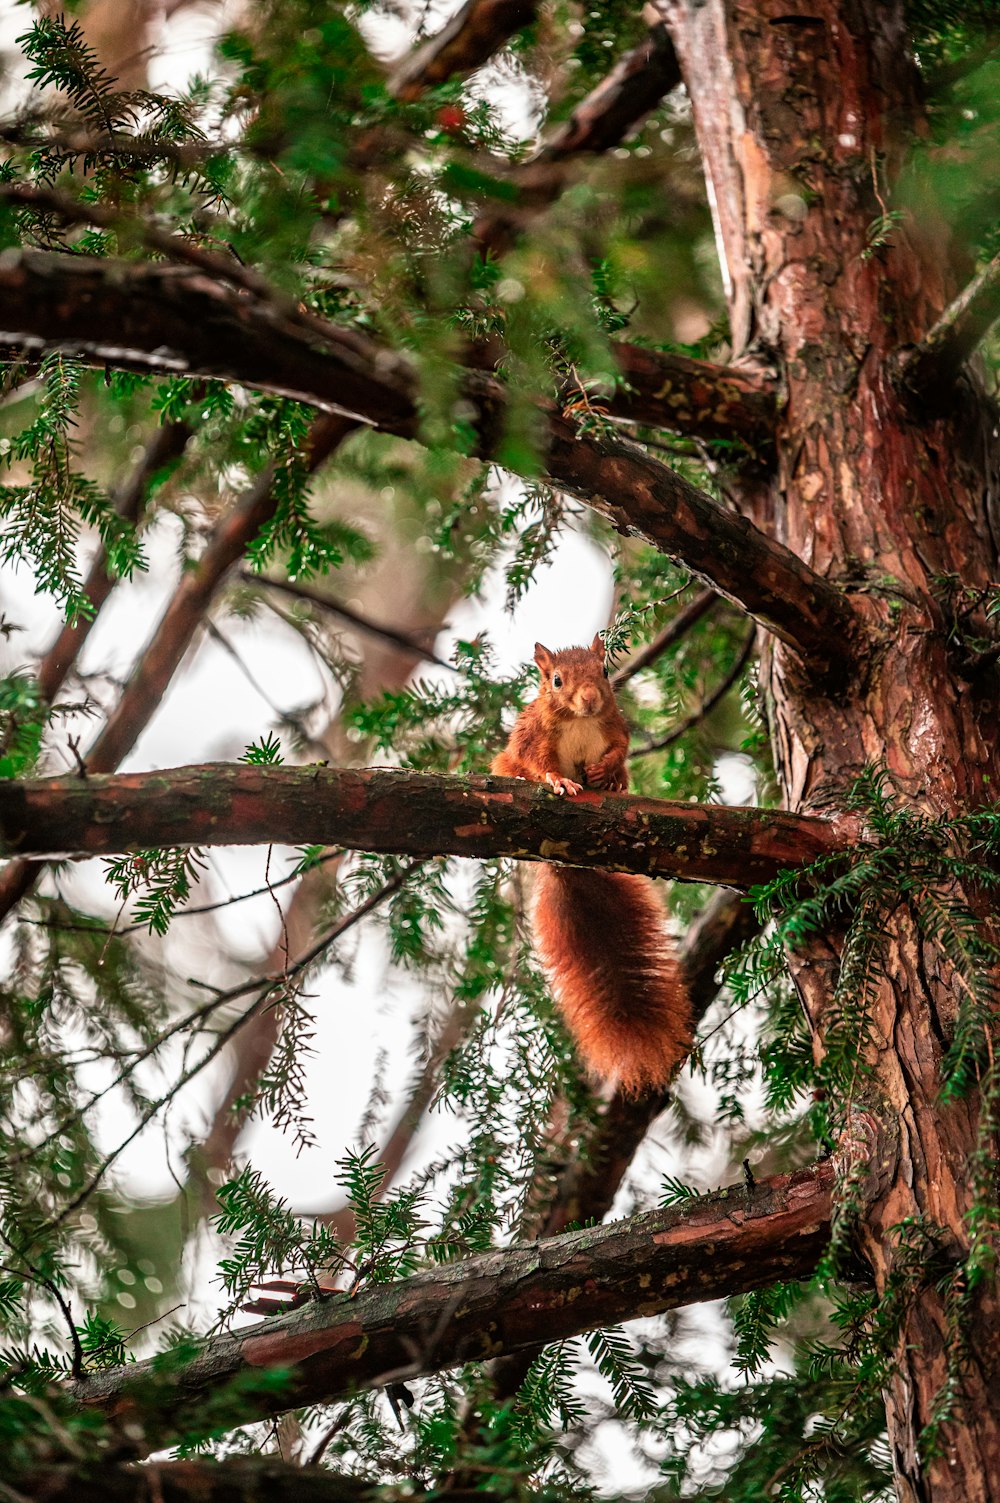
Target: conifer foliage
point(365, 322)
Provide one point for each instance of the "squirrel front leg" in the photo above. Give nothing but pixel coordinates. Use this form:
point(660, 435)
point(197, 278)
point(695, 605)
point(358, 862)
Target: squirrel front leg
point(609, 771)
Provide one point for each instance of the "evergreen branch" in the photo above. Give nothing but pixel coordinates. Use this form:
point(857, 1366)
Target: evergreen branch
point(422, 650)
point(930, 367)
point(173, 636)
point(148, 318)
point(687, 617)
point(706, 706)
point(502, 1302)
point(466, 42)
point(413, 814)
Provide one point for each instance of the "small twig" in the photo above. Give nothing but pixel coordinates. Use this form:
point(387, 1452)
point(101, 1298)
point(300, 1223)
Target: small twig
point(707, 705)
point(671, 633)
point(354, 618)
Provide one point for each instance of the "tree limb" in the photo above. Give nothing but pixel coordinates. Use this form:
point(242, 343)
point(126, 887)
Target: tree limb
point(696, 397)
point(635, 85)
point(463, 44)
point(173, 636)
point(724, 1243)
point(932, 365)
point(419, 814)
point(238, 1479)
point(171, 319)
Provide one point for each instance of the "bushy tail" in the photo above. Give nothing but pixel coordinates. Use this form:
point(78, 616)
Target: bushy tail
point(603, 939)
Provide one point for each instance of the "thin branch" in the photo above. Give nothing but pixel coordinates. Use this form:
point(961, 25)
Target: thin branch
point(501, 1302)
point(269, 986)
point(687, 617)
point(706, 706)
point(416, 814)
point(635, 85)
point(409, 642)
point(166, 445)
point(151, 318)
point(932, 365)
point(463, 44)
point(175, 631)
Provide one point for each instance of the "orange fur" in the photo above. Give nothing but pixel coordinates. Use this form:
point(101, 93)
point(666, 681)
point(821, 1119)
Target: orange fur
point(602, 936)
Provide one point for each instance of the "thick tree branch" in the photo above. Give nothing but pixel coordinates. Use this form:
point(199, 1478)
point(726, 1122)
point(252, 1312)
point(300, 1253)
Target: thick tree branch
point(152, 318)
point(725, 1243)
point(417, 814)
point(239, 1479)
point(696, 397)
point(931, 366)
point(467, 41)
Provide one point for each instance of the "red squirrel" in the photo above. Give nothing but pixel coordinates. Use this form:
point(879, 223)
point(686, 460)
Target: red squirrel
point(601, 936)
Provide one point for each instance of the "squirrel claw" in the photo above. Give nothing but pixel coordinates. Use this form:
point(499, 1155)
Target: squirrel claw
point(563, 785)
point(600, 776)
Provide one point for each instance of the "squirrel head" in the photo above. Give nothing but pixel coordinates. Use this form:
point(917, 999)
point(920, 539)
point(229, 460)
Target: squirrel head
point(574, 682)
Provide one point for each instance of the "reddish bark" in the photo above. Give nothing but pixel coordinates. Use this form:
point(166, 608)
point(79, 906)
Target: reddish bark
point(795, 115)
point(417, 814)
point(728, 1242)
point(151, 318)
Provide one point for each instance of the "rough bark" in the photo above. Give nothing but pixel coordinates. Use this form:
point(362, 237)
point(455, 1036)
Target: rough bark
point(173, 319)
point(801, 120)
point(725, 1243)
point(239, 1479)
point(374, 809)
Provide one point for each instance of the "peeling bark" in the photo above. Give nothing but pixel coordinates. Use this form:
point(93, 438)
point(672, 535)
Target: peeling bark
point(802, 120)
point(501, 1302)
point(408, 813)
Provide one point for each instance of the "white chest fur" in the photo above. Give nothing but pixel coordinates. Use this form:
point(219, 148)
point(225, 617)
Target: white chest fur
point(581, 741)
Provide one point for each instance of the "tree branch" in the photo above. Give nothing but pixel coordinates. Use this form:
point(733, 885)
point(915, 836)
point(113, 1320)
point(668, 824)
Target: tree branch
point(173, 636)
point(696, 397)
point(467, 41)
point(933, 364)
point(238, 1479)
point(635, 85)
point(724, 1243)
point(418, 814)
point(171, 319)
point(688, 615)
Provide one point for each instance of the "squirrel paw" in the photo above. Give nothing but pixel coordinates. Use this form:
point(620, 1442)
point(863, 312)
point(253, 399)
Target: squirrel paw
point(601, 776)
point(563, 785)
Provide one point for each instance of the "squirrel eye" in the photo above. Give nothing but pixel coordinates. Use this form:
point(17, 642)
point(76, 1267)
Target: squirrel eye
point(556, 681)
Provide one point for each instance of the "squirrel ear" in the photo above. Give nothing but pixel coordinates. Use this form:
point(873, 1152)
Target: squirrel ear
point(597, 647)
point(543, 657)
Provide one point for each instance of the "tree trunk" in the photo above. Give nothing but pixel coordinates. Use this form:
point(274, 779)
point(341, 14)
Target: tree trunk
point(802, 120)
